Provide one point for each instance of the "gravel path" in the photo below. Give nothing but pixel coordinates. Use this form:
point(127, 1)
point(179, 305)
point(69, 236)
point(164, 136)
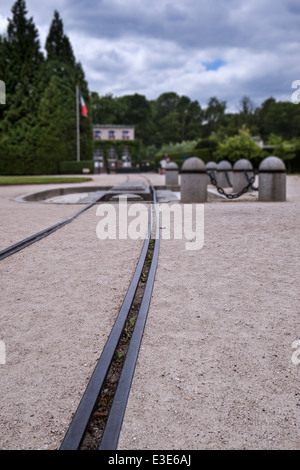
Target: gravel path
point(59, 300)
point(215, 369)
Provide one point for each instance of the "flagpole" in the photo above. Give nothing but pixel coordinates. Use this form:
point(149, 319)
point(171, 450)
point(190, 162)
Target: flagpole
point(77, 119)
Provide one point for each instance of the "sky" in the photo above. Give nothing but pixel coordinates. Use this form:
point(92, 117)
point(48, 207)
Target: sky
point(223, 48)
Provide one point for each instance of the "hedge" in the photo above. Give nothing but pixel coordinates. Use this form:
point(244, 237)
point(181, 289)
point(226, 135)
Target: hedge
point(179, 158)
point(74, 167)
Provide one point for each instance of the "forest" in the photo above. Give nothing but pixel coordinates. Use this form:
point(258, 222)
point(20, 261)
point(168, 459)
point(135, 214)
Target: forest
point(38, 119)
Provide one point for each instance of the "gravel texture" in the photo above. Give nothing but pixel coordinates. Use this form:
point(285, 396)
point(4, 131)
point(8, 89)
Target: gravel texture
point(59, 300)
point(215, 369)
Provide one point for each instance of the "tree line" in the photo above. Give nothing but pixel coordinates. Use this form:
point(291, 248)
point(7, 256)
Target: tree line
point(38, 122)
point(174, 122)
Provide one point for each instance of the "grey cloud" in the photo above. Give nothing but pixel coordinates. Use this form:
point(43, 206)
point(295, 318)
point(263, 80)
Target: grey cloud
point(145, 46)
point(191, 24)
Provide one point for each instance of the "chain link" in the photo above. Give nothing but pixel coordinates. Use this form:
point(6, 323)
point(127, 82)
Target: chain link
point(230, 195)
point(254, 188)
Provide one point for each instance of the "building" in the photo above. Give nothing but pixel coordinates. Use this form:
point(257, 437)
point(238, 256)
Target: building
point(112, 147)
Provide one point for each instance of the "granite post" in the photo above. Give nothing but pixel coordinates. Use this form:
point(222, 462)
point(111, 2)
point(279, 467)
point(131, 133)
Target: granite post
point(224, 174)
point(171, 177)
point(272, 180)
point(193, 181)
point(239, 178)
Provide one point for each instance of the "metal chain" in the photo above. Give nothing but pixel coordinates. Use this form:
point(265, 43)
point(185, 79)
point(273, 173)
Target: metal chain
point(254, 188)
point(227, 178)
point(230, 195)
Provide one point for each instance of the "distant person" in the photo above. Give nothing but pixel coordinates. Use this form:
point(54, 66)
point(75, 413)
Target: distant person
point(163, 164)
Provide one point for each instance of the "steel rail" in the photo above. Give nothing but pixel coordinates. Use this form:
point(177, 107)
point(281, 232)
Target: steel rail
point(79, 423)
point(114, 423)
point(44, 233)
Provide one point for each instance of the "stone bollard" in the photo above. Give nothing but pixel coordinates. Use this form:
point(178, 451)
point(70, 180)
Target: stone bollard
point(211, 167)
point(272, 180)
point(224, 174)
point(172, 176)
point(193, 180)
point(239, 178)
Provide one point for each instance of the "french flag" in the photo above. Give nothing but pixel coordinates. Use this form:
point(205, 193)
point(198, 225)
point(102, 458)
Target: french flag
point(84, 110)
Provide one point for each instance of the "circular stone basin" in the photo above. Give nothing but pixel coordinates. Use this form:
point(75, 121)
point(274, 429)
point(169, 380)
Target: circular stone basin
point(65, 195)
point(129, 197)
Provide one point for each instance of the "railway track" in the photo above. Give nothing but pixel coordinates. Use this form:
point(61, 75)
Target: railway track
point(42, 234)
point(75, 436)
point(133, 311)
point(48, 231)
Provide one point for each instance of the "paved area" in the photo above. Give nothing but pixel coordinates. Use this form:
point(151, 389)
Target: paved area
point(215, 369)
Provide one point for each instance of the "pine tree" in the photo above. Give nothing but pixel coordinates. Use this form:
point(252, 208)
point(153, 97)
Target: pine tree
point(54, 132)
point(24, 51)
point(4, 59)
point(61, 63)
point(23, 59)
point(57, 44)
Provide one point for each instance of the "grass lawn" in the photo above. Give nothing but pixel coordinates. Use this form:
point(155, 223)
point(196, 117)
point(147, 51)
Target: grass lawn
point(10, 180)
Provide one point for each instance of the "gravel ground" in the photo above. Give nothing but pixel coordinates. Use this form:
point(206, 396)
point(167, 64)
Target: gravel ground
point(59, 300)
point(215, 369)
point(19, 220)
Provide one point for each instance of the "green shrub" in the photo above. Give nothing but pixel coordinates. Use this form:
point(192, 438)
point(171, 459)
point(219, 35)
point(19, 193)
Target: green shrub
point(179, 157)
point(74, 167)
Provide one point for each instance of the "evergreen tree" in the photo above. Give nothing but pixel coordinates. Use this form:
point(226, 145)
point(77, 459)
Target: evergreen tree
point(4, 59)
point(54, 133)
point(58, 46)
point(22, 59)
point(23, 48)
point(61, 63)
point(38, 127)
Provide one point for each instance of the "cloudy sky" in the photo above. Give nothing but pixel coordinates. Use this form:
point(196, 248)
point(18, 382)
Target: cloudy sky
point(223, 48)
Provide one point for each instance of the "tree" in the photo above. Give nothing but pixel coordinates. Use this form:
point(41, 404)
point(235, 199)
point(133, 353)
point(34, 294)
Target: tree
point(63, 70)
point(281, 118)
point(214, 114)
point(23, 48)
point(105, 109)
point(38, 127)
point(246, 114)
point(136, 110)
point(58, 46)
point(190, 118)
point(166, 104)
point(54, 133)
point(4, 59)
point(23, 60)
point(261, 114)
point(286, 150)
point(177, 118)
point(237, 147)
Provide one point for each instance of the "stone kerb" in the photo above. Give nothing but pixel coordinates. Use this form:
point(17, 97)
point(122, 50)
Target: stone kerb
point(239, 179)
point(272, 180)
point(171, 176)
point(193, 181)
point(224, 174)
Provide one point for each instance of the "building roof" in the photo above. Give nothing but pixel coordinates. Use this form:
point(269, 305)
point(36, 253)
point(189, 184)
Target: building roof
point(115, 125)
